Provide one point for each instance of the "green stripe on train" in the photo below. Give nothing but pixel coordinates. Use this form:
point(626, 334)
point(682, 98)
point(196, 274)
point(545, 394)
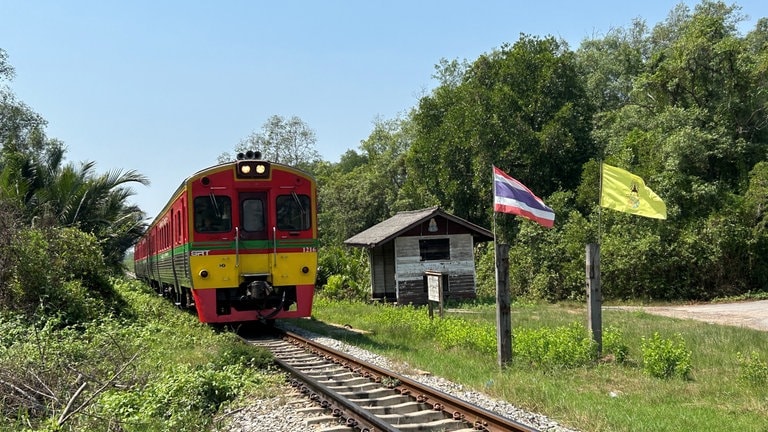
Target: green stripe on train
point(256, 244)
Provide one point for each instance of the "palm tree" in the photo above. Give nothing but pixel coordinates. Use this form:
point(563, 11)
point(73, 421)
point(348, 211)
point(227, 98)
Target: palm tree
point(95, 204)
point(44, 192)
point(49, 194)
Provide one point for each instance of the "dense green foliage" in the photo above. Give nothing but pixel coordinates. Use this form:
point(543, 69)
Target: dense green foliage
point(53, 271)
point(59, 271)
point(681, 104)
point(113, 372)
point(344, 274)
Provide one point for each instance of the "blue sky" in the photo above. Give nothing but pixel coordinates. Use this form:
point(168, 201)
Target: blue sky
point(164, 87)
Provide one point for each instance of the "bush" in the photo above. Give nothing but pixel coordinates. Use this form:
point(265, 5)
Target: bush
point(60, 271)
point(567, 347)
point(9, 226)
point(47, 363)
point(184, 399)
point(342, 287)
point(344, 274)
point(753, 371)
point(162, 371)
point(613, 344)
point(485, 272)
point(663, 358)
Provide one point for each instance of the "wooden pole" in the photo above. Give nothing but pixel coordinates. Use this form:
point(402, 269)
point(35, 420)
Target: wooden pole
point(594, 295)
point(503, 301)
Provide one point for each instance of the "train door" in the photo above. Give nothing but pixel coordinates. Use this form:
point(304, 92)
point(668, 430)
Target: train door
point(253, 216)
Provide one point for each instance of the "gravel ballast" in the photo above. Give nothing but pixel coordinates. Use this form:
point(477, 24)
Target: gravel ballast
point(291, 412)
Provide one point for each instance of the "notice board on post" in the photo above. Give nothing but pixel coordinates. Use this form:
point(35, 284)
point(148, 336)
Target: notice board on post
point(435, 283)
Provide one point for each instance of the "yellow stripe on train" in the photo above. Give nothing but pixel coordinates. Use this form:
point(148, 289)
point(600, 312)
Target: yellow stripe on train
point(229, 271)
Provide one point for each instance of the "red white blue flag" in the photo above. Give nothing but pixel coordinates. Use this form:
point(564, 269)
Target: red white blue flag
point(511, 196)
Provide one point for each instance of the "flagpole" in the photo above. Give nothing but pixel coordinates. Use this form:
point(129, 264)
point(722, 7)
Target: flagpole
point(493, 194)
point(594, 289)
point(600, 203)
point(503, 297)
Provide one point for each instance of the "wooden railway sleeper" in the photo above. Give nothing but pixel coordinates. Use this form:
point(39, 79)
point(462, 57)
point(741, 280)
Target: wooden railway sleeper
point(457, 409)
point(339, 402)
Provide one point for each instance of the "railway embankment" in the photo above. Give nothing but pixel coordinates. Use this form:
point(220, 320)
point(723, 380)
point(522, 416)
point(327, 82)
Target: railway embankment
point(622, 391)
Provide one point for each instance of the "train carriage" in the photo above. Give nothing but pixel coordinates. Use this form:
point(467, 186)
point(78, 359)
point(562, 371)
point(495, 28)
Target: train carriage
point(237, 241)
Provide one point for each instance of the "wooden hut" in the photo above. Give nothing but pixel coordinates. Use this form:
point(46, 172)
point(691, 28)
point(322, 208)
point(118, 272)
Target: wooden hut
point(402, 248)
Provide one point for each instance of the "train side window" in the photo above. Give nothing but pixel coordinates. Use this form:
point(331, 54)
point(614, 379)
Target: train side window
point(212, 213)
point(253, 215)
point(293, 212)
point(178, 227)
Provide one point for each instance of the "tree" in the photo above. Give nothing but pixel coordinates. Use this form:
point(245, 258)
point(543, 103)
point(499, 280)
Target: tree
point(45, 192)
point(609, 65)
point(290, 142)
point(693, 126)
point(522, 107)
point(6, 70)
point(364, 189)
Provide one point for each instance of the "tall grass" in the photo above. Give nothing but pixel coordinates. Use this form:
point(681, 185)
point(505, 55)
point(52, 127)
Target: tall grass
point(721, 390)
point(154, 368)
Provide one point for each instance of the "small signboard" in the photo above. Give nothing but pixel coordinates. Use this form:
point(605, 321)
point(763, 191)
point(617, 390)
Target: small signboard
point(434, 282)
point(433, 287)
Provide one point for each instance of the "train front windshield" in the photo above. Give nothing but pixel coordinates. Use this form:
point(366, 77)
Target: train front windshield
point(213, 214)
point(291, 212)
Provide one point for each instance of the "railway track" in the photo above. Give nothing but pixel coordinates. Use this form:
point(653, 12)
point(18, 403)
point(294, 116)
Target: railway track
point(364, 397)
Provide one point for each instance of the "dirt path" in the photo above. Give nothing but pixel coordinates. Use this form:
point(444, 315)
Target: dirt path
point(752, 314)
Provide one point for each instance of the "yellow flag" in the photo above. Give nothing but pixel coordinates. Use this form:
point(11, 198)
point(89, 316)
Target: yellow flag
point(626, 192)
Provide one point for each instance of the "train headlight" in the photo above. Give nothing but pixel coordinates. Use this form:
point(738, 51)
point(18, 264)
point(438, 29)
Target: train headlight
point(203, 274)
point(252, 169)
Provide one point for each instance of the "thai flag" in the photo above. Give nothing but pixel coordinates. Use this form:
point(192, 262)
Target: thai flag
point(511, 196)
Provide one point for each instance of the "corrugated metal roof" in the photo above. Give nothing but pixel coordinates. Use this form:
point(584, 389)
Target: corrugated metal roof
point(403, 221)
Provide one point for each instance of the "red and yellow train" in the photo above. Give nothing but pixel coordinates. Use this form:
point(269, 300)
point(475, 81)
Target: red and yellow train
point(237, 241)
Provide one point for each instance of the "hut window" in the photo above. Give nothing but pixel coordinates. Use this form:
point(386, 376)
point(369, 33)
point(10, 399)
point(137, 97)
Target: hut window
point(435, 249)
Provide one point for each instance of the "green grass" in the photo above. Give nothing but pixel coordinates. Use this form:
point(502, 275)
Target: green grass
point(600, 396)
point(166, 370)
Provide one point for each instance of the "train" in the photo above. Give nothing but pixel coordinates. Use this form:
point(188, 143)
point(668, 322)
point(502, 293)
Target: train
point(237, 242)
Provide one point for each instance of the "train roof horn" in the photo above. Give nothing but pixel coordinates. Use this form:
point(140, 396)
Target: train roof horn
point(250, 154)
